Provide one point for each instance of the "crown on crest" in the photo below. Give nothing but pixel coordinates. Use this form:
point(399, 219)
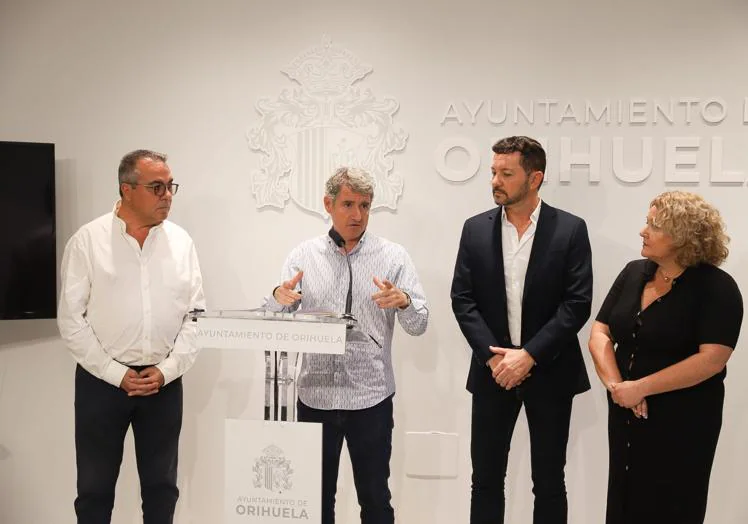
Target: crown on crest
point(273, 451)
point(326, 69)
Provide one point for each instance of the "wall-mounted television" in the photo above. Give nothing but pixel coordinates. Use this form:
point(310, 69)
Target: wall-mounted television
point(28, 259)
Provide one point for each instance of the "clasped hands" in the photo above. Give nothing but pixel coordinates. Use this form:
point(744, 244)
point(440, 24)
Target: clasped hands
point(142, 384)
point(510, 367)
point(388, 296)
point(629, 394)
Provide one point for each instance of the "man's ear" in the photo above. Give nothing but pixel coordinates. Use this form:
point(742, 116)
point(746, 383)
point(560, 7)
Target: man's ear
point(328, 203)
point(537, 179)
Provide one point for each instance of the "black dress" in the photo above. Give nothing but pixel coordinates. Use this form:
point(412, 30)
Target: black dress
point(660, 467)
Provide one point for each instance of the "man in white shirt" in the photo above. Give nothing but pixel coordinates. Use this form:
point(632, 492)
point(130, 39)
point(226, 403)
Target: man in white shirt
point(521, 291)
point(129, 279)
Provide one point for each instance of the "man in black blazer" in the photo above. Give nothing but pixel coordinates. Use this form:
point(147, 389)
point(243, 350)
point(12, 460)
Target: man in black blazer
point(522, 289)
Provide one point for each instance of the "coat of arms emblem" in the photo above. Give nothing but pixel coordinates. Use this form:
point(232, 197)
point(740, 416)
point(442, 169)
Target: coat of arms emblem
point(325, 122)
point(272, 470)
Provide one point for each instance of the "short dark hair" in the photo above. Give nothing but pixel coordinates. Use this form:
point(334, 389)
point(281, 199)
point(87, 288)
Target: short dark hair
point(532, 154)
point(128, 172)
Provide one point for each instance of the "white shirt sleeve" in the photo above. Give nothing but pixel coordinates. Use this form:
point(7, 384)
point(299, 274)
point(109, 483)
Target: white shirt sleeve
point(185, 351)
point(71, 315)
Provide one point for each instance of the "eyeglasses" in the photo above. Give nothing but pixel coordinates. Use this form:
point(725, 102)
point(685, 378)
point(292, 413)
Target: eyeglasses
point(159, 188)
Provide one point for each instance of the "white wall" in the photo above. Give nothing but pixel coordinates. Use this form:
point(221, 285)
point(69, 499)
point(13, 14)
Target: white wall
point(99, 78)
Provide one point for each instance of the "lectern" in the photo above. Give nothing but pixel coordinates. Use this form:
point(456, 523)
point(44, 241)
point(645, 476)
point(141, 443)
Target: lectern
point(273, 467)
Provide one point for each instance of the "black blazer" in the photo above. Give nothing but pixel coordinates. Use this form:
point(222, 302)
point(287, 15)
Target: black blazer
point(555, 305)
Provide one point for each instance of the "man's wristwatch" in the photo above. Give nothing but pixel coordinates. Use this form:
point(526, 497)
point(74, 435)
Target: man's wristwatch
point(409, 301)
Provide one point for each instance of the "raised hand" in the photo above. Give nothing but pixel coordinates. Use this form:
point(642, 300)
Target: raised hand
point(389, 296)
point(285, 293)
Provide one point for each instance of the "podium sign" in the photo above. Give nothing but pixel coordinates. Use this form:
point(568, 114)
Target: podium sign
point(260, 331)
point(273, 472)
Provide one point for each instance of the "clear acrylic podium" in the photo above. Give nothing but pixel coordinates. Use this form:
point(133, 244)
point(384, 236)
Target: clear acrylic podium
point(282, 337)
point(273, 467)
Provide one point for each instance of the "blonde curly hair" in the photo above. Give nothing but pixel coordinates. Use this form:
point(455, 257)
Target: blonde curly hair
point(695, 226)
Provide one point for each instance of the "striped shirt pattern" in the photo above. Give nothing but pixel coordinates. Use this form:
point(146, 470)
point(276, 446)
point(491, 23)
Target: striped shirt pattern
point(363, 376)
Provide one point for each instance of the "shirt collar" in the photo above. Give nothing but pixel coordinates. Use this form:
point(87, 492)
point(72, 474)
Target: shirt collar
point(533, 216)
point(361, 242)
point(115, 214)
point(121, 223)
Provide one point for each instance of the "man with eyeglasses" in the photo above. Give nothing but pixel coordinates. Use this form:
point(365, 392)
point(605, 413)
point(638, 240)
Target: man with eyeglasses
point(129, 279)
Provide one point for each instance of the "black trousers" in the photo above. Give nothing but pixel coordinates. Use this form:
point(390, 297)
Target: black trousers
point(368, 433)
point(103, 413)
point(493, 420)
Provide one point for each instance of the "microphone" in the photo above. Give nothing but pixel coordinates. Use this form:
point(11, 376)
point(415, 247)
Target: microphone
point(340, 242)
point(336, 237)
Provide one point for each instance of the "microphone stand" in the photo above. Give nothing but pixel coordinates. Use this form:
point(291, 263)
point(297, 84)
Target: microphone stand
point(338, 240)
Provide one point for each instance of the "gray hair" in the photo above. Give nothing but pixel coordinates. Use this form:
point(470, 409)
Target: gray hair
point(128, 172)
point(357, 179)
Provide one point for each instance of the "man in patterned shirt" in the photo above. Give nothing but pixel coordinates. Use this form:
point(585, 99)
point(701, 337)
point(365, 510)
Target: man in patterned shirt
point(351, 394)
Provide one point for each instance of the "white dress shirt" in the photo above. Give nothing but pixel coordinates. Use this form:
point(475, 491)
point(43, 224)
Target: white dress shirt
point(363, 376)
point(122, 305)
point(516, 257)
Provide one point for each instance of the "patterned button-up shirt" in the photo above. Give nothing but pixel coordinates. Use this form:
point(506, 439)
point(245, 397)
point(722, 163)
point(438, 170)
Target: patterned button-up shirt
point(362, 376)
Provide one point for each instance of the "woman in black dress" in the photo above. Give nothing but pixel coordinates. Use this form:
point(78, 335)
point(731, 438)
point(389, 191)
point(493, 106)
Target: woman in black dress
point(660, 345)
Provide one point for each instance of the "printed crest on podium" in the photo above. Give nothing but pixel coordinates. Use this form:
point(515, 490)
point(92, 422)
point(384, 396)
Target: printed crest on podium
point(273, 472)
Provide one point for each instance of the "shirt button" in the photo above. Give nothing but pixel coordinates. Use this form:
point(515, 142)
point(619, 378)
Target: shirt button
point(627, 468)
point(628, 444)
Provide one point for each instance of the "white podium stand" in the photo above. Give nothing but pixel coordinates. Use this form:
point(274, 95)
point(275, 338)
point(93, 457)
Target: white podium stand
point(273, 467)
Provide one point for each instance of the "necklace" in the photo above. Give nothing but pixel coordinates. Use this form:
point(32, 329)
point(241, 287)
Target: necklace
point(667, 278)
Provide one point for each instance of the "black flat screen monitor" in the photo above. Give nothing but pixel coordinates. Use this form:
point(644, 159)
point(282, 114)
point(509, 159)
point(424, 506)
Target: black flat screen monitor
point(28, 259)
